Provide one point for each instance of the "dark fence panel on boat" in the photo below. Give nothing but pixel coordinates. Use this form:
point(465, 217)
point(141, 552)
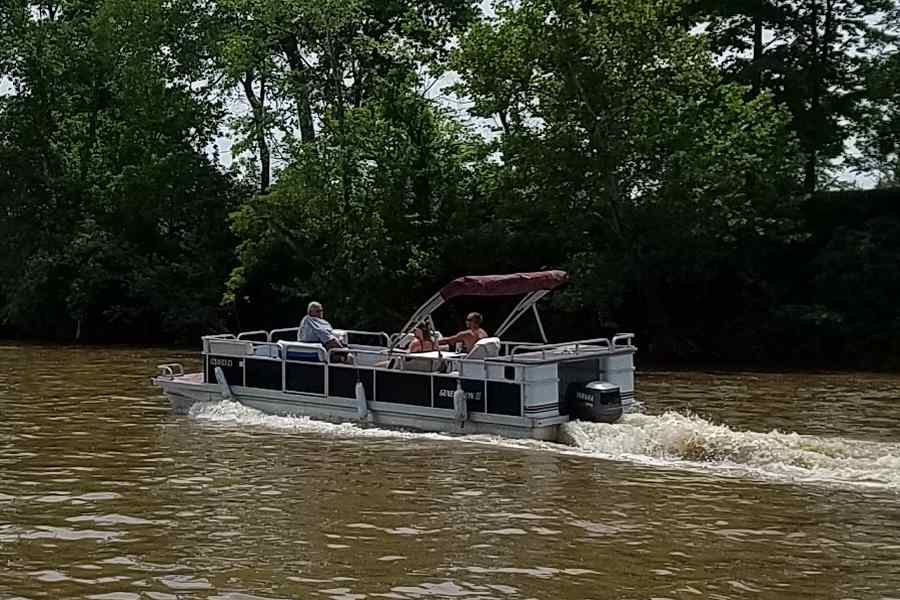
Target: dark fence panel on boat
point(342, 381)
point(262, 373)
point(504, 398)
point(232, 368)
point(403, 388)
point(445, 387)
point(308, 378)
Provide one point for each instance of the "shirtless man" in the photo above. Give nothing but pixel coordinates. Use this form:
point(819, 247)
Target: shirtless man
point(468, 337)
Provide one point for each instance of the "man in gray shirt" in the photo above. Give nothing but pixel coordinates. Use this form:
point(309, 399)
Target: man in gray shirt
point(315, 329)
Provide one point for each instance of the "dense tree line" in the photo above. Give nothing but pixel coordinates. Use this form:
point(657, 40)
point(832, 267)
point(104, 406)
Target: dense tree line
point(677, 156)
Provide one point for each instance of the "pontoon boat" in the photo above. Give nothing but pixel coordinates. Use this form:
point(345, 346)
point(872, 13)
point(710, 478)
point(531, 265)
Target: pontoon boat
point(514, 389)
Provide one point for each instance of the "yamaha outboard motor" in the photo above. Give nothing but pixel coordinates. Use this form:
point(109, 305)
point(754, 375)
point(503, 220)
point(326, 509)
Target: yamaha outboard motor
point(596, 401)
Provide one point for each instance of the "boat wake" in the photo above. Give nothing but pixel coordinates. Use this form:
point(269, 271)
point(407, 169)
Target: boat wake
point(672, 440)
point(690, 441)
point(231, 412)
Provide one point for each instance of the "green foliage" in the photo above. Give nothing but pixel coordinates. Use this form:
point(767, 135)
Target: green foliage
point(625, 147)
point(879, 139)
point(109, 198)
point(357, 218)
point(816, 58)
point(313, 58)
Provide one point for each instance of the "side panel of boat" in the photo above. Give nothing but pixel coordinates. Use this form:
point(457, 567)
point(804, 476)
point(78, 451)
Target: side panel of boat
point(304, 378)
point(620, 372)
point(505, 419)
point(444, 387)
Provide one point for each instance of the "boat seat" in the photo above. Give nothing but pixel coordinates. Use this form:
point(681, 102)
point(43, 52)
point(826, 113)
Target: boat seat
point(485, 348)
point(303, 351)
point(420, 365)
point(266, 350)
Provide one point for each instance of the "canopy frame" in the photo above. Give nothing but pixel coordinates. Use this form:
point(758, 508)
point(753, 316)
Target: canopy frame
point(534, 285)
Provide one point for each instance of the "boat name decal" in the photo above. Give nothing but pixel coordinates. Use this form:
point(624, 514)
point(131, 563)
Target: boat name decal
point(221, 362)
point(447, 393)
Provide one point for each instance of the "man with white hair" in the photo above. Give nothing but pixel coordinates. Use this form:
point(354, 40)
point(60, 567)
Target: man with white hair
point(315, 329)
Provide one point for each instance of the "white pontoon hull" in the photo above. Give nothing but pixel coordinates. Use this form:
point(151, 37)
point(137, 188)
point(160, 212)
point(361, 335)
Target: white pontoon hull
point(183, 392)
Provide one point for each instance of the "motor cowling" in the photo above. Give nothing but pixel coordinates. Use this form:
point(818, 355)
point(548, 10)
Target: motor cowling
point(596, 401)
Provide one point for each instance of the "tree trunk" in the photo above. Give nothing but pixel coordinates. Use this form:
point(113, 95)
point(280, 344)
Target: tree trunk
point(301, 89)
point(814, 103)
point(809, 171)
point(758, 49)
point(257, 103)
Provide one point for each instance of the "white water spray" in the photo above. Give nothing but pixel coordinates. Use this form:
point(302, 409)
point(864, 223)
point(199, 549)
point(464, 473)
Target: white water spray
point(688, 440)
point(669, 440)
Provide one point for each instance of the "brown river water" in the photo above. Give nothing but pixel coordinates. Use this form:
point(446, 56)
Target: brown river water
point(730, 485)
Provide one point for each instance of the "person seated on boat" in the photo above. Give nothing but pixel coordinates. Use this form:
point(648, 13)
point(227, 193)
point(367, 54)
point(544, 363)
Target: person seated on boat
point(314, 329)
point(467, 337)
point(422, 340)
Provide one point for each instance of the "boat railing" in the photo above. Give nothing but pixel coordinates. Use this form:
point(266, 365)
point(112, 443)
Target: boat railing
point(587, 347)
point(544, 348)
point(250, 335)
point(623, 340)
point(273, 335)
point(506, 347)
point(170, 370)
point(379, 334)
point(265, 350)
point(221, 342)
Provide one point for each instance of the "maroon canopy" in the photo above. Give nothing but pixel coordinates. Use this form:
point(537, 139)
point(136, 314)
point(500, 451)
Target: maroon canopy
point(503, 285)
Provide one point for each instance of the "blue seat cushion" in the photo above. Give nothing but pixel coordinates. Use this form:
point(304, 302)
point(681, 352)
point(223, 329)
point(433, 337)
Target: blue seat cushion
point(303, 355)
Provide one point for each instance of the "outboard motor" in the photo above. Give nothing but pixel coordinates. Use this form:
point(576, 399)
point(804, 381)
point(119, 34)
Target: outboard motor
point(596, 401)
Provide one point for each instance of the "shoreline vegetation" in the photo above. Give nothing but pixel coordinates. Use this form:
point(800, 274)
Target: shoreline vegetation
point(682, 159)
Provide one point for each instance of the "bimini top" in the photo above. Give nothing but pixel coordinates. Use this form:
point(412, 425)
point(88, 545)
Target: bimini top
point(533, 286)
point(513, 284)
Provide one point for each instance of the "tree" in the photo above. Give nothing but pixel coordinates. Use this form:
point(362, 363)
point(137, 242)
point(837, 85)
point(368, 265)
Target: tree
point(114, 215)
point(813, 55)
point(625, 156)
point(879, 140)
point(318, 58)
point(358, 216)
